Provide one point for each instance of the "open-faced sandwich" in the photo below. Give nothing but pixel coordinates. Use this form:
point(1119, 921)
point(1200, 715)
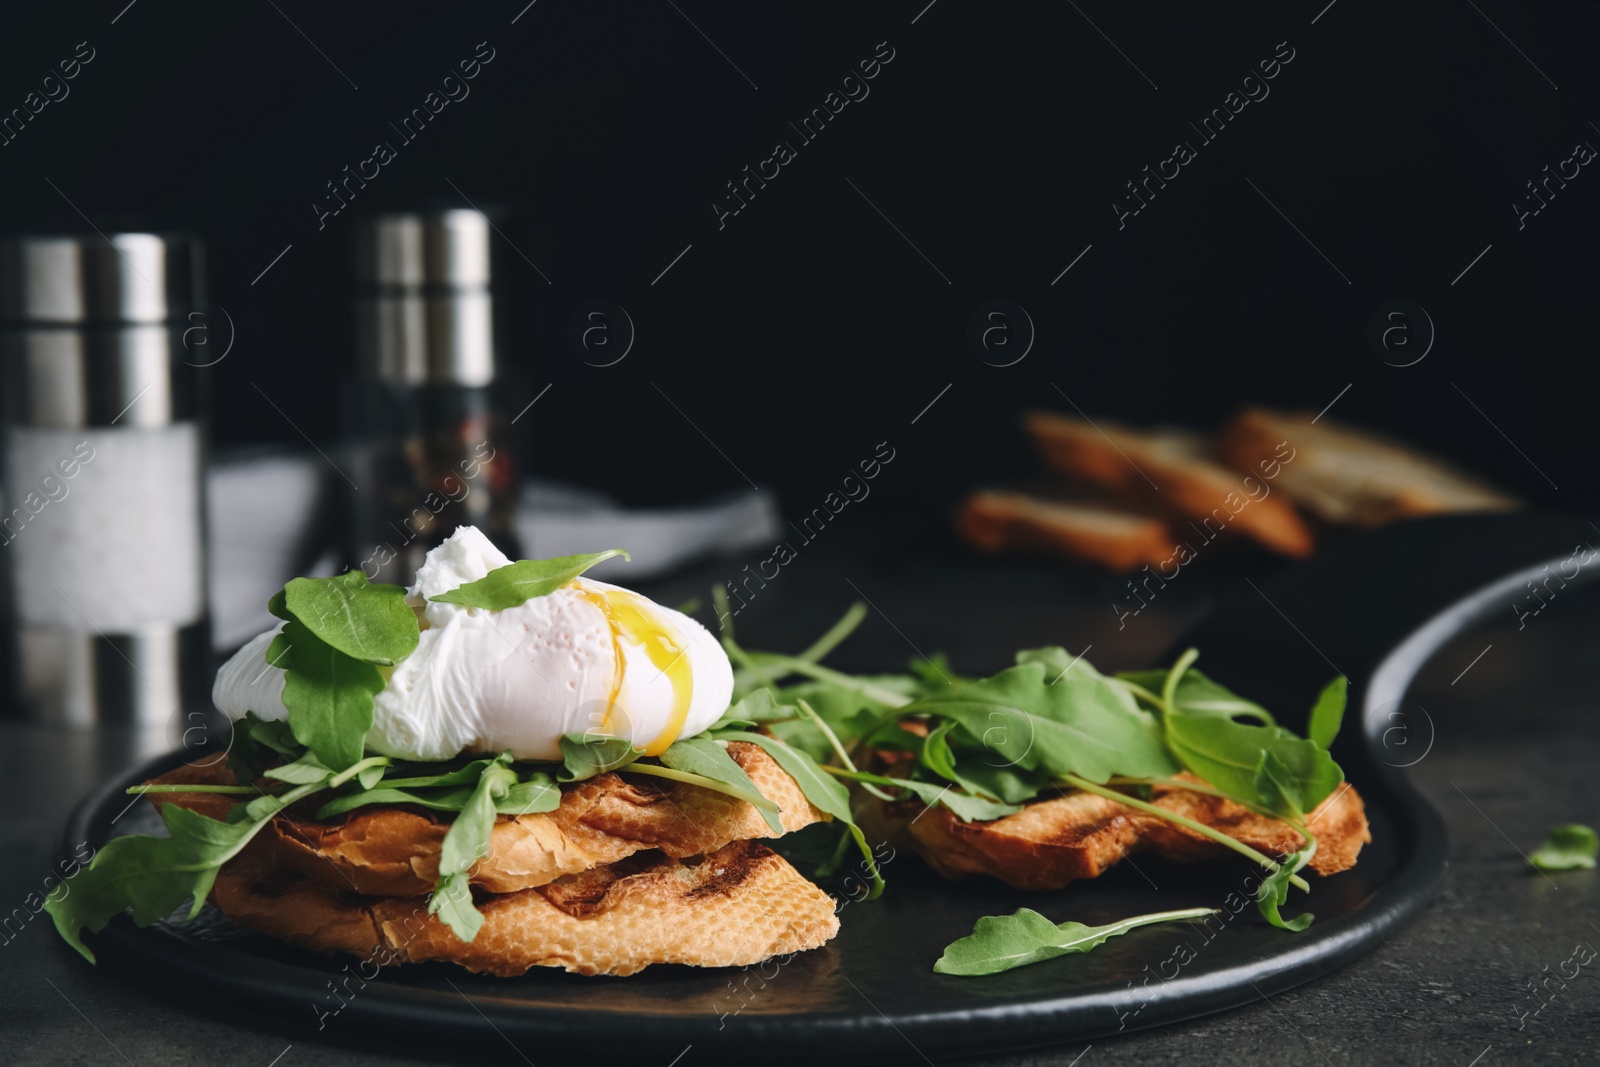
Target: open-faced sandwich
point(509, 766)
point(505, 766)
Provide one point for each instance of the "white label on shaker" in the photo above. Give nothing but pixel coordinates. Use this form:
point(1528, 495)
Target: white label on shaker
point(103, 527)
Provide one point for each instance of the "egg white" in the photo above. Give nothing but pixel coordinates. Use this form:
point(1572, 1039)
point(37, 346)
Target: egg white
point(515, 679)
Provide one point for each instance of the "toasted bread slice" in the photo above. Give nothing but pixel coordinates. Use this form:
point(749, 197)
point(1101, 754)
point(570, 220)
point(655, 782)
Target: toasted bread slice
point(1174, 468)
point(1053, 842)
point(1350, 476)
point(1339, 823)
point(995, 520)
point(393, 851)
point(738, 905)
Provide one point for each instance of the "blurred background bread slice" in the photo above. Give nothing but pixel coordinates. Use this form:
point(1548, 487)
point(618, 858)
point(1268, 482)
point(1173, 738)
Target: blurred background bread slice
point(1000, 520)
point(1172, 469)
point(1123, 497)
point(1352, 477)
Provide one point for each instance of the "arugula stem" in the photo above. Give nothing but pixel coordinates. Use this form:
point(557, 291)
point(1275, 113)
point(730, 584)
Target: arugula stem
point(836, 634)
point(1125, 925)
point(356, 768)
point(1138, 690)
point(737, 653)
point(836, 860)
point(1311, 845)
point(809, 712)
point(241, 790)
point(863, 777)
point(745, 659)
point(1187, 823)
point(827, 731)
point(748, 796)
point(1297, 825)
point(719, 601)
point(887, 697)
point(1196, 787)
point(1169, 692)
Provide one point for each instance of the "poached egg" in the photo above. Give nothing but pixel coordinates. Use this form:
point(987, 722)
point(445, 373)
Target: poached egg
point(588, 658)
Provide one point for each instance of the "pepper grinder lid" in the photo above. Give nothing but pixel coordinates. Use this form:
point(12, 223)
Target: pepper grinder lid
point(425, 315)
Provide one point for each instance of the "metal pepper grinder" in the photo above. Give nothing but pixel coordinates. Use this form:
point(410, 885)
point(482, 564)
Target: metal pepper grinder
point(429, 432)
point(102, 536)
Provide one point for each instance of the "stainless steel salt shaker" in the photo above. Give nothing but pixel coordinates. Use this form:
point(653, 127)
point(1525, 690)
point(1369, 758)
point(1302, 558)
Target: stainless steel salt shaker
point(102, 534)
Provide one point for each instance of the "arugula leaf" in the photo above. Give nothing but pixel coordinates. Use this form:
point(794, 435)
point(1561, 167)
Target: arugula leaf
point(1328, 712)
point(656, 770)
point(452, 903)
point(1071, 720)
point(934, 672)
point(369, 623)
point(1001, 942)
point(1228, 754)
point(329, 697)
point(303, 771)
point(1011, 784)
point(538, 793)
point(967, 807)
point(466, 774)
point(154, 875)
point(1275, 784)
point(1274, 892)
point(1199, 695)
point(823, 791)
point(465, 843)
point(586, 755)
point(705, 757)
point(336, 632)
point(257, 743)
point(516, 583)
point(443, 800)
point(847, 712)
point(1567, 848)
point(535, 793)
point(759, 707)
point(937, 756)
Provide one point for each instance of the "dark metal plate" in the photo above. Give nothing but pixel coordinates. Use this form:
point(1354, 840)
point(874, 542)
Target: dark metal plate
point(871, 995)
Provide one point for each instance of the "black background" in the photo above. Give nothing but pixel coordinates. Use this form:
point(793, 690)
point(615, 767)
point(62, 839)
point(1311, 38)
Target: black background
point(808, 330)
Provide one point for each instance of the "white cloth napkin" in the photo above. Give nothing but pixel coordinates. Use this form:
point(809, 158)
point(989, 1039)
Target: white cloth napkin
point(276, 514)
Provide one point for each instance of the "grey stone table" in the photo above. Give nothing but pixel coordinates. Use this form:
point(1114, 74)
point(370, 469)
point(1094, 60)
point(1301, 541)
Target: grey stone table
point(1517, 749)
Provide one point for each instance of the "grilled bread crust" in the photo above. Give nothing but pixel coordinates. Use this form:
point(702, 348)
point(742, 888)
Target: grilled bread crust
point(1051, 843)
point(393, 851)
point(738, 905)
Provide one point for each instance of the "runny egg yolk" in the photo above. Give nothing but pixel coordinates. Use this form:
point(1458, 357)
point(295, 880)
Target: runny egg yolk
point(626, 619)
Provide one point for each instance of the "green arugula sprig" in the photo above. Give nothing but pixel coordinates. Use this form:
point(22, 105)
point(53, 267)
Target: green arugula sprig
point(1051, 722)
point(1567, 848)
point(1003, 942)
point(515, 583)
point(337, 632)
point(155, 875)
